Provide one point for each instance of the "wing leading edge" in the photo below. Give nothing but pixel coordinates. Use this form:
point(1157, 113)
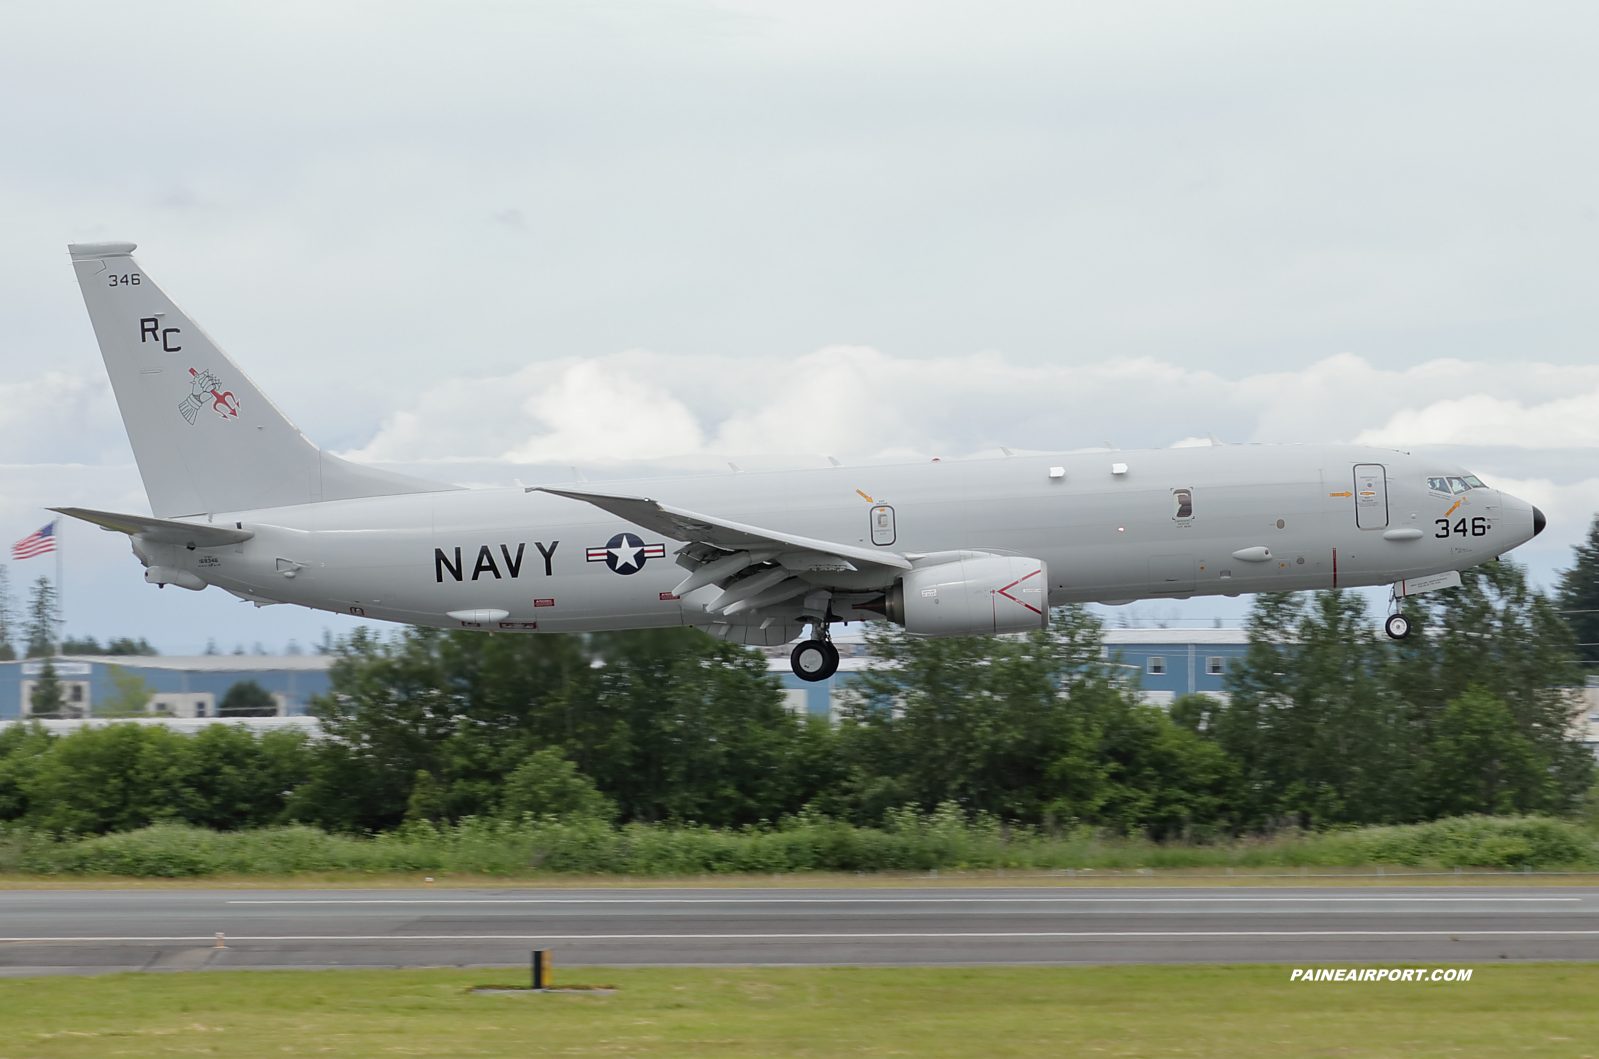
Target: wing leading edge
point(755, 568)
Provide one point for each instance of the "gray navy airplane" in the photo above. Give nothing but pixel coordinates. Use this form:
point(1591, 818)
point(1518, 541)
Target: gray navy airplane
point(242, 500)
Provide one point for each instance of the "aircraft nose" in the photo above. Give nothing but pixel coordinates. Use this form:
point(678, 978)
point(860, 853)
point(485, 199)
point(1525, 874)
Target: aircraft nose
point(1538, 521)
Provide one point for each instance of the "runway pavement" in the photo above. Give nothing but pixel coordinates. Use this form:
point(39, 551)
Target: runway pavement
point(82, 932)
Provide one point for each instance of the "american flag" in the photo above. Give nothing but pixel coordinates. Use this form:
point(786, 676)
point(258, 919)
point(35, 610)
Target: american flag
point(36, 543)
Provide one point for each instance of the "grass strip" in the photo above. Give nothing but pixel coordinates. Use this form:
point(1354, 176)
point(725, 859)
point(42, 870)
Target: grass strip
point(1525, 1010)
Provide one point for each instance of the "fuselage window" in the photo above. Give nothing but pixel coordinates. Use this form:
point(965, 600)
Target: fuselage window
point(1182, 503)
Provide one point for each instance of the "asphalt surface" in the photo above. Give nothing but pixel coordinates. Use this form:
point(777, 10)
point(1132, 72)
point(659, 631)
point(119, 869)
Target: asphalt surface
point(85, 932)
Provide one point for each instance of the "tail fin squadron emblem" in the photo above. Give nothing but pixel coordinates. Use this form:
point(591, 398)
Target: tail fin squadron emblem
point(206, 387)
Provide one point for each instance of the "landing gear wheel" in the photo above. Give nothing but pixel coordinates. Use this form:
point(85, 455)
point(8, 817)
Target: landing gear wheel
point(814, 660)
point(1397, 626)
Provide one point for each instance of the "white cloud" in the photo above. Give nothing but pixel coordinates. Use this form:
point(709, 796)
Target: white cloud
point(60, 417)
point(862, 403)
point(1490, 419)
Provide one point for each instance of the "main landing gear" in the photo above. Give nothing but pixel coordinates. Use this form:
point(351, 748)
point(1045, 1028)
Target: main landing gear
point(814, 660)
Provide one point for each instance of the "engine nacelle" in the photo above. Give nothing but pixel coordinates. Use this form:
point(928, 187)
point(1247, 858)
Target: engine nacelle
point(972, 597)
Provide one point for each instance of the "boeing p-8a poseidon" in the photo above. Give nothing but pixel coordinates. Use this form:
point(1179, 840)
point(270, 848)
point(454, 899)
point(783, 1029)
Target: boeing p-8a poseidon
point(242, 500)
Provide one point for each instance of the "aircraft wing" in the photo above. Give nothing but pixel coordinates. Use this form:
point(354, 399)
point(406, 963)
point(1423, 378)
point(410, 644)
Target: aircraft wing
point(693, 527)
point(162, 530)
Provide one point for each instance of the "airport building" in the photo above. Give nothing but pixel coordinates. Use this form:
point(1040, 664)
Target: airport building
point(186, 687)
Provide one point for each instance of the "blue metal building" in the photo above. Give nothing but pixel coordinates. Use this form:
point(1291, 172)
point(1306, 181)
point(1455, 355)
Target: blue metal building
point(185, 686)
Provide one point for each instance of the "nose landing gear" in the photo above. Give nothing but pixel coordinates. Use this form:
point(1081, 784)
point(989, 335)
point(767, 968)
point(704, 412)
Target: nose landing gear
point(1397, 626)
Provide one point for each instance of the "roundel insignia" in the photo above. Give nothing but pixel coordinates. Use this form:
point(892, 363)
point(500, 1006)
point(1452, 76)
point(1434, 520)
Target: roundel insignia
point(626, 553)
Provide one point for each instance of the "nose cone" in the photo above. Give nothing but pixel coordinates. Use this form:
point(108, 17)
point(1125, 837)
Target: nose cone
point(1520, 522)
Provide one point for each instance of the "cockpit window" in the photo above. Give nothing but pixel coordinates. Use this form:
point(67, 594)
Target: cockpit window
point(1455, 484)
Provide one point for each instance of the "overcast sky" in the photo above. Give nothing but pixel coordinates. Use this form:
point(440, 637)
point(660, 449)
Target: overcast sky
point(486, 241)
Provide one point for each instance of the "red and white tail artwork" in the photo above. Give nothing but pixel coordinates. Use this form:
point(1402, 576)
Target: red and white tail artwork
point(207, 387)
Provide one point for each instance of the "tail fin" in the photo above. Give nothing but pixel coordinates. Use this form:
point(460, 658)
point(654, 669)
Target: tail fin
point(206, 439)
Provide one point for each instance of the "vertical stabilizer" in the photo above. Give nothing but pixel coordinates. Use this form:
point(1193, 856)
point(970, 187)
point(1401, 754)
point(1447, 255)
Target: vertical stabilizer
point(206, 439)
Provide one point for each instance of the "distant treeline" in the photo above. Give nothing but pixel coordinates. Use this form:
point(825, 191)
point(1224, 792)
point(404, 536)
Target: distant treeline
point(1326, 724)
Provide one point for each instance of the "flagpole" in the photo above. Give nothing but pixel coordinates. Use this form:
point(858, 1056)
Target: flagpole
point(61, 610)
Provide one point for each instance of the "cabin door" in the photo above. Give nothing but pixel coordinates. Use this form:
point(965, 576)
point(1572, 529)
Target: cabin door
point(1371, 496)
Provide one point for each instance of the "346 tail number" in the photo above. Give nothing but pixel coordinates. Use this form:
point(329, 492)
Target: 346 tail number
point(1477, 528)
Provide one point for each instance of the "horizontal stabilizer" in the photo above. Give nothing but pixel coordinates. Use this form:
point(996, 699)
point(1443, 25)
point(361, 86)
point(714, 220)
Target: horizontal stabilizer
point(162, 530)
point(682, 525)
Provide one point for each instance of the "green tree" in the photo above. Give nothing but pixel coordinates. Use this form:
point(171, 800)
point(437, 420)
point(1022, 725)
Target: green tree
point(1318, 736)
point(426, 803)
point(1480, 762)
point(246, 698)
point(8, 617)
point(1038, 728)
point(132, 697)
point(1497, 633)
point(115, 778)
point(547, 784)
point(21, 748)
point(237, 779)
point(40, 628)
point(969, 720)
point(1579, 596)
point(46, 698)
point(125, 776)
point(667, 723)
point(678, 725)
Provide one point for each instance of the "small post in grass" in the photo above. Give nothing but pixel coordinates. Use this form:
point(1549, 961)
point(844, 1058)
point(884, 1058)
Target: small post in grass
point(541, 965)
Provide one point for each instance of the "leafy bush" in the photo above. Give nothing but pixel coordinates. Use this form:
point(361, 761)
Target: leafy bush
point(944, 839)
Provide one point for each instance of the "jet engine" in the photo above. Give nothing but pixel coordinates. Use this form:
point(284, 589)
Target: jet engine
point(972, 597)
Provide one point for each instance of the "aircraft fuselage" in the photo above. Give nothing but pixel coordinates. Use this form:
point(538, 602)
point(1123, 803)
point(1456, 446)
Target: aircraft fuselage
point(1111, 526)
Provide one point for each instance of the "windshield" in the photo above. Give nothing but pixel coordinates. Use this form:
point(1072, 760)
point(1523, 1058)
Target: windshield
point(1455, 484)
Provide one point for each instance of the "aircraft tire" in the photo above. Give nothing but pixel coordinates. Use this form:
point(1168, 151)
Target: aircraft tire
point(1397, 626)
point(814, 660)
